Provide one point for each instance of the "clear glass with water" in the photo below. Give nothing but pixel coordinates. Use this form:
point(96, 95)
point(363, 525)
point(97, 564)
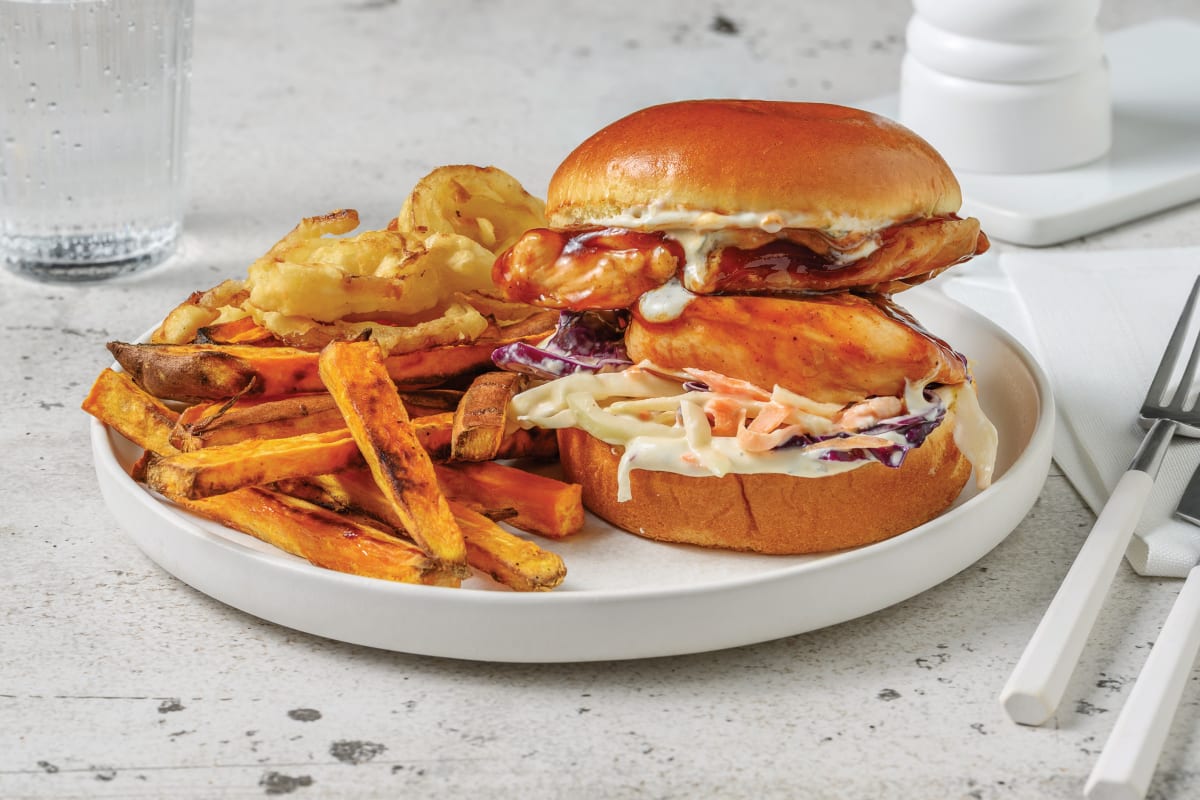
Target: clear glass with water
point(93, 117)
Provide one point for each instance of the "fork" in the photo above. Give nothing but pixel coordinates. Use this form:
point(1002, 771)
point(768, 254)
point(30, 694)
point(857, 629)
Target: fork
point(1036, 686)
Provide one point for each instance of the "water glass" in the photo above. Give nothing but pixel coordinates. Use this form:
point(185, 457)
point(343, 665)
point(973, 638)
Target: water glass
point(93, 117)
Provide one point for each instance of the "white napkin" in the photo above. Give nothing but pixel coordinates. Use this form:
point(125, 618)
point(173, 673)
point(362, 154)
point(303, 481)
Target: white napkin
point(1098, 323)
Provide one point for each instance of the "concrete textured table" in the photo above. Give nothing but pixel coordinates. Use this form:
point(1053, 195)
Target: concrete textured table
point(116, 680)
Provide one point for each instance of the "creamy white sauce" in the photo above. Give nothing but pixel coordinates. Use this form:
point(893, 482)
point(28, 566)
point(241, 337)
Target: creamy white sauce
point(696, 247)
point(660, 217)
point(975, 435)
point(664, 303)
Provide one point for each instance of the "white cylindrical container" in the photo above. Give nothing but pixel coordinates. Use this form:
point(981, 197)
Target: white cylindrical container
point(1008, 86)
point(994, 127)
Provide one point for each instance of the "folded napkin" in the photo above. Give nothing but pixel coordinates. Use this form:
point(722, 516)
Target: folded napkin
point(1098, 323)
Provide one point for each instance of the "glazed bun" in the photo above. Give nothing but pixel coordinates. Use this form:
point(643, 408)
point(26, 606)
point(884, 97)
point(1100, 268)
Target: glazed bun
point(771, 513)
point(817, 166)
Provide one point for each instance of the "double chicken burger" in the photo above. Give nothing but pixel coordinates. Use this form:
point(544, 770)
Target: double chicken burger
point(730, 369)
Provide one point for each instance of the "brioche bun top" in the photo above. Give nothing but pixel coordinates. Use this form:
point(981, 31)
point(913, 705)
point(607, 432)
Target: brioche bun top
point(711, 164)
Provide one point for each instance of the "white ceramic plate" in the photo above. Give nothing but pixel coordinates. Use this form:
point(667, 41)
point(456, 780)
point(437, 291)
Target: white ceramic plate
point(624, 597)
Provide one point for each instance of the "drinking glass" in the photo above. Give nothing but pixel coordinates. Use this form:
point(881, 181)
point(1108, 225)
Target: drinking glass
point(93, 118)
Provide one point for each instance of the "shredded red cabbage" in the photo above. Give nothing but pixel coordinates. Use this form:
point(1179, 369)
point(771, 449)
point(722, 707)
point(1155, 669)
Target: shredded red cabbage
point(915, 428)
point(584, 341)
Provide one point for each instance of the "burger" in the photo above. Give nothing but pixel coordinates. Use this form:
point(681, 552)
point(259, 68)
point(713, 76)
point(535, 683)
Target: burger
point(730, 368)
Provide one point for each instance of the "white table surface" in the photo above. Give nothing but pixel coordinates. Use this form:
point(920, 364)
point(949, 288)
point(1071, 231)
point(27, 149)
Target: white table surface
point(116, 680)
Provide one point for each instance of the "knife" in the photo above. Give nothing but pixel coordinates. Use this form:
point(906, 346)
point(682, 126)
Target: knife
point(1188, 509)
point(1126, 765)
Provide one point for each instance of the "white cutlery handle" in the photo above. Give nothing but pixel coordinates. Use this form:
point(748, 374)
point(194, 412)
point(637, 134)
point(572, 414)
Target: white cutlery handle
point(1131, 753)
point(1036, 685)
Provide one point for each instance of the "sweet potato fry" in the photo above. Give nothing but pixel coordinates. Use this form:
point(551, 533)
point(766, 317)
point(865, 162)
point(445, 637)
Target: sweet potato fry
point(137, 470)
point(423, 402)
point(224, 468)
point(195, 372)
point(320, 536)
point(543, 505)
point(433, 366)
point(205, 425)
point(354, 373)
point(482, 416)
point(192, 432)
point(121, 405)
point(433, 432)
point(208, 424)
point(238, 331)
point(511, 560)
point(515, 562)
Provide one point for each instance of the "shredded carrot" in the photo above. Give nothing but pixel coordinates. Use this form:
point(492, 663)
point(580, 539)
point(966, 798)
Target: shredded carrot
point(853, 443)
point(753, 441)
point(868, 412)
point(725, 415)
point(770, 417)
point(723, 384)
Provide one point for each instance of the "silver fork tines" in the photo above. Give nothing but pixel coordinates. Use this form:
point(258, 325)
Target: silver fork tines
point(1184, 414)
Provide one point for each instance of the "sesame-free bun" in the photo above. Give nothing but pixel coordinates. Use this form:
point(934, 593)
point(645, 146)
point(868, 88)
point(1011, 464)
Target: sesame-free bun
point(771, 513)
point(814, 165)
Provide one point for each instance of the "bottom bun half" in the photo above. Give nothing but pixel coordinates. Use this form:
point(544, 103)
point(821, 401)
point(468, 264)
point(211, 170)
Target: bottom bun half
point(771, 513)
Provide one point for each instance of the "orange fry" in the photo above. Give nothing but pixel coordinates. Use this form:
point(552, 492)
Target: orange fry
point(238, 331)
point(194, 372)
point(354, 373)
point(543, 505)
point(511, 560)
point(121, 405)
point(254, 462)
point(205, 425)
point(320, 536)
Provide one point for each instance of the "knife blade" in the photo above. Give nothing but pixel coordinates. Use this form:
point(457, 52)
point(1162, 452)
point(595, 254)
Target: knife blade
point(1189, 504)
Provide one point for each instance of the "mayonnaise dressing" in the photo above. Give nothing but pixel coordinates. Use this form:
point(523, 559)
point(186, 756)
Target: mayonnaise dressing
point(664, 303)
point(658, 216)
point(975, 435)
